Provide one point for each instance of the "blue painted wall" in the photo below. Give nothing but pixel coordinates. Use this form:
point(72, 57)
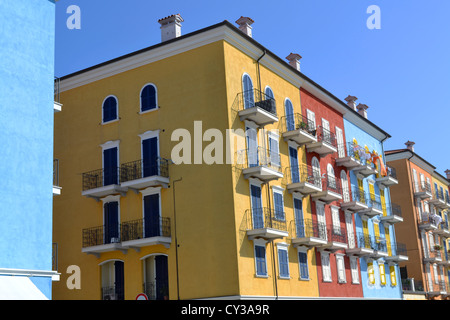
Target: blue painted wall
point(373, 290)
point(27, 36)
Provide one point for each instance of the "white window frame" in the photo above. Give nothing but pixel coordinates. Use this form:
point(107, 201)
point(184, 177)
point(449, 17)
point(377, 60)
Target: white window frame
point(260, 243)
point(279, 190)
point(340, 267)
point(305, 251)
point(354, 269)
point(117, 110)
point(156, 99)
point(272, 134)
point(326, 267)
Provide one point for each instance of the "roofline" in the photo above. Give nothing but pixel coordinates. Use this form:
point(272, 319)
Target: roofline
point(412, 153)
point(251, 40)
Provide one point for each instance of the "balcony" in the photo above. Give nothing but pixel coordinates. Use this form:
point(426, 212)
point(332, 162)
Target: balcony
point(356, 202)
point(397, 253)
point(365, 169)
point(156, 290)
point(325, 144)
point(412, 285)
point(260, 163)
point(97, 240)
point(57, 106)
point(442, 229)
point(428, 222)
point(422, 190)
point(331, 190)
point(56, 187)
point(432, 256)
point(379, 246)
point(101, 183)
point(360, 245)
point(393, 215)
point(142, 233)
point(437, 288)
point(336, 239)
point(299, 129)
point(303, 180)
point(374, 207)
point(264, 223)
point(438, 200)
point(447, 201)
point(308, 233)
point(256, 106)
point(389, 180)
point(142, 174)
point(113, 293)
point(350, 157)
point(128, 235)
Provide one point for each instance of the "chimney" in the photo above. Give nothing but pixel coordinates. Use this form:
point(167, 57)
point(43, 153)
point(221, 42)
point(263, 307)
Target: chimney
point(351, 102)
point(447, 172)
point(170, 27)
point(244, 25)
point(410, 145)
point(362, 109)
point(294, 60)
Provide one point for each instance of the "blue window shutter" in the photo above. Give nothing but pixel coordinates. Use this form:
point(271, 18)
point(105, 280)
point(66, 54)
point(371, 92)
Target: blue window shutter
point(260, 253)
point(283, 262)
point(151, 216)
point(150, 157)
point(110, 109)
point(279, 207)
point(299, 223)
point(111, 212)
point(110, 166)
point(293, 156)
point(303, 260)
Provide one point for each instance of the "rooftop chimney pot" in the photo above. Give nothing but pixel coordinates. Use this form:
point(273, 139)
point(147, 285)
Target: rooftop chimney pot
point(410, 145)
point(244, 25)
point(362, 109)
point(294, 60)
point(351, 102)
point(447, 172)
point(170, 27)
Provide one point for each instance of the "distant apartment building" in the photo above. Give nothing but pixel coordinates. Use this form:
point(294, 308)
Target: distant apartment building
point(27, 103)
point(423, 195)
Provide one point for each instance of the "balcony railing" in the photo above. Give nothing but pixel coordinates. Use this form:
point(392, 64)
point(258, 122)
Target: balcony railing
point(54, 256)
point(145, 228)
point(391, 172)
point(113, 293)
point(308, 228)
point(259, 218)
point(422, 190)
point(397, 249)
point(297, 121)
point(256, 106)
point(100, 178)
point(303, 173)
point(96, 236)
point(336, 234)
point(428, 221)
point(156, 291)
point(326, 136)
point(56, 91)
point(141, 169)
point(374, 201)
point(260, 163)
point(412, 285)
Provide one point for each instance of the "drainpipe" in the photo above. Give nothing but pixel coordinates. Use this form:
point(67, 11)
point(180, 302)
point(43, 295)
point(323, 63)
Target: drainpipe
point(275, 282)
point(259, 73)
point(176, 239)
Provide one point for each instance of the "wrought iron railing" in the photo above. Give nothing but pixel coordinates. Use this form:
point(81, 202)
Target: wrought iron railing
point(95, 236)
point(100, 178)
point(54, 256)
point(326, 136)
point(259, 156)
point(394, 210)
point(412, 285)
point(308, 228)
point(56, 172)
point(56, 91)
point(142, 168)
point(332, 183)
point(113, 293)
point(303, 173)
point(336, 233)
point(297, 121)
point(428, 218)
point(422, 187)
point(374, 201)
point(254, 98)
point(397, 249)
point(145, 228)
point(259, 218)
point(358, 195)
point(391, 172)
point(156, 291)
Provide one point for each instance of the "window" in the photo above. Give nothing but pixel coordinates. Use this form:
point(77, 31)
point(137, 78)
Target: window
point(274, 151)
point(283, 262)
point(289, 112)
point(393, 275)
point(148, 98)
point(326, 271)
point(344, 183)
point(112, 273)
point(335, 220)
point(260, 257)
point(316, 171)
point(331, 177)
point(109, 109)
point(382, 274)
point(371, 273)
point(110, 162)
point(151, 202)
point(156, 277)
point(293, 159)
point(303, 265)
point(340, 264)
point(354, 269)
point(269, 93)
point(111, 221)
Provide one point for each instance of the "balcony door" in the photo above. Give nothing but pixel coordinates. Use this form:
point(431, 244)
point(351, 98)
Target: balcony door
point(247, 85)
point(150, 157)
point(299, 222)
point(257, 211)
point(340, 142)
point(111, 222)
point(110, 164)
point(252, 147)
point(345, 190)
point(311, 116)
point(293, 158)
point(316, 172)
point(289, 111)
point(152, 224)
point(322, 223)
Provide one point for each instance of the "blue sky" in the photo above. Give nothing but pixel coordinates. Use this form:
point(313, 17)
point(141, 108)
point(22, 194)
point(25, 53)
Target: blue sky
point(401, 71)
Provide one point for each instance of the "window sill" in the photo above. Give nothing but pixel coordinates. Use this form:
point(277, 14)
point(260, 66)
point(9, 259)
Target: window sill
point(284, 278)
point(108, 122)
point(304, 279)
point(261, 276)
point(148, 111)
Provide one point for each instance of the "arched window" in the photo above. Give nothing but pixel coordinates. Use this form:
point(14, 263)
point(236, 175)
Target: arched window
point(316, 171)
point(148, 98)
point(269, 93)
point(109, 109)
point(247, 86)
point(289, 112)
point(345, 190)
point(331, 176)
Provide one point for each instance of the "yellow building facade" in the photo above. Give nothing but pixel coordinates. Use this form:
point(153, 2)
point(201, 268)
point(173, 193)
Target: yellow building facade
point(205, 244)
